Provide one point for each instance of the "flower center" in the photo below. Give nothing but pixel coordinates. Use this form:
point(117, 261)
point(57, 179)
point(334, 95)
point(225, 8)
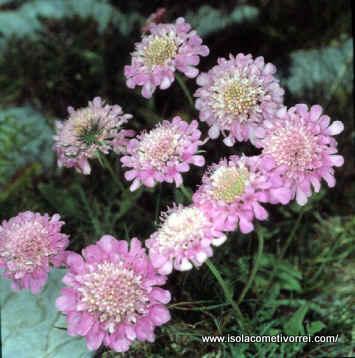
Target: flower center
point(239, 97)
point(159, 146)
point(26, 246)
point(159, 50)
point(293, 147)
point(86, 128)
point(181, 228)
point(114, 293)
point(228, 183)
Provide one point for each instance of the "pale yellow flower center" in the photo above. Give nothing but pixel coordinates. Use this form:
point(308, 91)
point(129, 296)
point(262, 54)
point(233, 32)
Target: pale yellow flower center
point(159, 50)
point(228, 183)
point(239, 97)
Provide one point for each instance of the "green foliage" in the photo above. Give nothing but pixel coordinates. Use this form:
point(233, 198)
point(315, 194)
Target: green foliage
point(322, 72)
point(208, 20)
point(25, 141)
point(26, 20)
point(36, 328)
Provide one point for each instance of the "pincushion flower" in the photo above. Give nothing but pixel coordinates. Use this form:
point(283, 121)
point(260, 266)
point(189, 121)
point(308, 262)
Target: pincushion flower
point(236, 95)
point(301, 140)
point(161, 154)
point(167, 48)
point(29, 244)
point(89, 131)
point(112, 295)
point(184, 238)
point(233, 191)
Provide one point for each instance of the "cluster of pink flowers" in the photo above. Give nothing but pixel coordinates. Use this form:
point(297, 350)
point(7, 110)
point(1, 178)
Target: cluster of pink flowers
point(184, 239)
point(113, 294)
point(301, 141)
point(232, 190)
point(29, 244)
point(88, 132)
point(236, 96)
point(161, 154)
point(167, 48)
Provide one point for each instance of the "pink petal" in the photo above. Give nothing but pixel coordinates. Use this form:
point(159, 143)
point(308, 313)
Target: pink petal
point(161, 295)
point(159, 315)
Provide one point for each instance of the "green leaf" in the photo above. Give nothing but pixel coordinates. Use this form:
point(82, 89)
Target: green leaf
point(208, 20)
point(322, 71)
point(25, 139)
point(31, 325)
point(294, 326)
point(26, 20)
point(315, 327)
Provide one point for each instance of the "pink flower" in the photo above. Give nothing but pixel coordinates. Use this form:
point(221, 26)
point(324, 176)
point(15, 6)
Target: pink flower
point(183, 239)
point(29, 244)
point(167, 48)
point(112, 295)
point(232, 192)
point(236, 95)
point(301, 140)
point(161, 154)
point(89, 131)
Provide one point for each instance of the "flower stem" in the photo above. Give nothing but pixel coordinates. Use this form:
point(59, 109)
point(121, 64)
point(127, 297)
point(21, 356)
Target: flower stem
point(292, 234)
point(255, 267)
point(106, 164)
point(186, 91)
point(227, 293)
point(157, 206)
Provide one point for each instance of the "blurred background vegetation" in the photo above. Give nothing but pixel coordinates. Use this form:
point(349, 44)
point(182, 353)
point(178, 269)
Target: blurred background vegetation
point(56, 53)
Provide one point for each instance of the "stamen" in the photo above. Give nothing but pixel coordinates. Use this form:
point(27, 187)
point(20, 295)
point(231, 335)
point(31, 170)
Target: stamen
point(114, 293)
point(228, 183)
point(159, 50)
point(181, 228)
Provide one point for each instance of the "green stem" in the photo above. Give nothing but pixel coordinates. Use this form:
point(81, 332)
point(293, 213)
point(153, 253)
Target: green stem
point(255, 267)
point(227, 293)
point(95, 223)
point(157, 207)
point(285, 247)
point(185, 90)
point(106, 164)
point(292, 234)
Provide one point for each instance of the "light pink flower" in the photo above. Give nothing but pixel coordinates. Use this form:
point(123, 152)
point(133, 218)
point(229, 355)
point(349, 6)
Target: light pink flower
point(167, 48)
point(183, 239)
point(112, 295)
point(89, 131)
point(301, 140)
point(236, 96)
point(233, 190)
point(161, 154)
point(29, 244)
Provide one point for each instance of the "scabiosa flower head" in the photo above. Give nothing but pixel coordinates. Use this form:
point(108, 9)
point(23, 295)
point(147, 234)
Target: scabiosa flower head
point(236, 95)
point(232, 191)
point(167, 48)
point(301, 140)
point(112, 295)
point(183, 239)
point(89, 131)
point(161, 154)
point(29, 244)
